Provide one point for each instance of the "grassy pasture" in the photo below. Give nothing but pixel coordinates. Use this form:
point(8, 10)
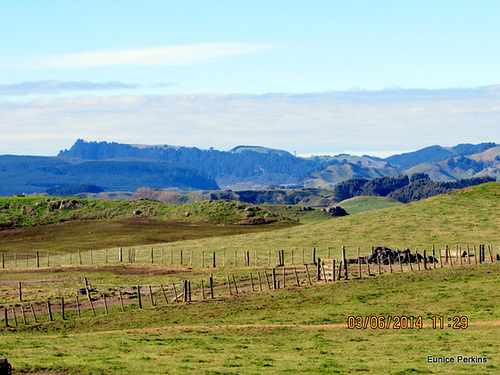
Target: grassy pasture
point(463, 218)
point(367, 203)
point(293, 330)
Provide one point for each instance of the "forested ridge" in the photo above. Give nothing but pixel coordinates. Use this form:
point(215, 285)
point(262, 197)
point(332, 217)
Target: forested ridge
point(402, 188)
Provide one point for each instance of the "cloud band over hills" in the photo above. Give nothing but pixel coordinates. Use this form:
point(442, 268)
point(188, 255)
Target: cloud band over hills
point(312, 123)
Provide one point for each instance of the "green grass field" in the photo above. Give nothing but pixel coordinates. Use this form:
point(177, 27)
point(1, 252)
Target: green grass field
point(365, 203)
point(293, 330)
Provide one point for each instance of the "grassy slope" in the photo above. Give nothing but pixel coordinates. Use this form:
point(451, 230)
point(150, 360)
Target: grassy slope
point(464, 218)
point(472, 291)
point(29, 211)
point(98, 223)
point(367, 203)
point(230, 336)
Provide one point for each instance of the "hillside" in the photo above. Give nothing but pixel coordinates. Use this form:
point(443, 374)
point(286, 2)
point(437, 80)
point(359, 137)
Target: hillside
point(115, 167)
point(466, 217)
point(434, 154)
point(243, 167)
point(367, 203)
point(485, 163)
point(440, 163)
point(33, 211)
point(30, 174)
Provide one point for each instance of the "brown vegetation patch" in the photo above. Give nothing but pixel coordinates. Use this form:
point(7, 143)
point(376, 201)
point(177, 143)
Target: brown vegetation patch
point(87, 235)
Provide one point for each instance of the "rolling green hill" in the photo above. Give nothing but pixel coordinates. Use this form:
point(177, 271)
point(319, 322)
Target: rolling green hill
point(466, 217)
point(367, 203)
point(32, 211)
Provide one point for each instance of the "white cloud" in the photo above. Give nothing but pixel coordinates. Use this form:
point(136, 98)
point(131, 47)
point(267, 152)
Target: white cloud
point(54, 87)
point(166, 55)
point(316, 123)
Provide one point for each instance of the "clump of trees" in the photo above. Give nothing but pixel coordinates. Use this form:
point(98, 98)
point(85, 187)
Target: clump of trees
point(68, 191)
point(403, 188)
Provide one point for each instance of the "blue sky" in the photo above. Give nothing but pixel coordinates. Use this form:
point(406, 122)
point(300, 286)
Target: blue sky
point(315, 77)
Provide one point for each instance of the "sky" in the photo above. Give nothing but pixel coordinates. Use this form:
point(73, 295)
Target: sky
point(310, 77)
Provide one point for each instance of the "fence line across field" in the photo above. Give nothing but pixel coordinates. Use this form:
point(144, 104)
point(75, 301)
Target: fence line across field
point(219, 258)
point(94, 299)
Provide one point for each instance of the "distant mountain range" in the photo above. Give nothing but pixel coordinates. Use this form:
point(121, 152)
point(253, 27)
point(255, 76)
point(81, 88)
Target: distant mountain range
point(124, 167)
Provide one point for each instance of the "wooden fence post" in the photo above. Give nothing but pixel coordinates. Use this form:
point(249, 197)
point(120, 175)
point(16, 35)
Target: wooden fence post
point(251, 281)
point(176, 299)
point(308, 275)
point(260, 281)
point(491, 253)
point(164, 294)
point(49, 311)
point(235, 286)
point(267, 279)
point(418, 259)
point(345, 263)
point(229, 285)
point(153, 302)
point(6, 317)
point(105, 303)
point(274, 278)
point(78, 305)
point(139, 298)
point(87, 290)
point(213, 260)
point(38, 259)
point(20, 292)
point(211, 286)
point(14, 316)
point(318, 270)
point(359, 262)
point(24, 315)
point(33, 313)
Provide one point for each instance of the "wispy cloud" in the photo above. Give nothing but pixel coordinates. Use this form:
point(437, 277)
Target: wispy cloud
point(166, 55)
point(55, 87)
point(330, 122)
